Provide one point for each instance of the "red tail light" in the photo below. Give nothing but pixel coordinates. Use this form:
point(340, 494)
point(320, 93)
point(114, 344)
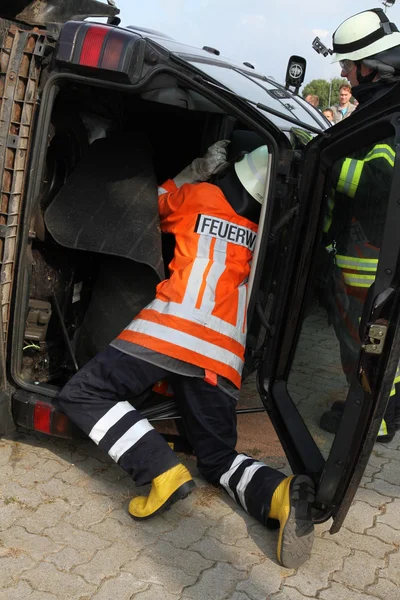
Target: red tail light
point(47, 420)
point(42, 417)
point(114, 53)
point(92, 46)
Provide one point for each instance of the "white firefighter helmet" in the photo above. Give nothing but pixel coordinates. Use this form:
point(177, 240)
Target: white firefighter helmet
point(252, 172)
point(365, 34)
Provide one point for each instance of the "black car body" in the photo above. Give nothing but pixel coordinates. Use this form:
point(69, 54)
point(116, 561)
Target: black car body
point(92, 117)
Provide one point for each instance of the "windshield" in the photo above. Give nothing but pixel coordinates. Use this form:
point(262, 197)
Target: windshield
point(261, 90)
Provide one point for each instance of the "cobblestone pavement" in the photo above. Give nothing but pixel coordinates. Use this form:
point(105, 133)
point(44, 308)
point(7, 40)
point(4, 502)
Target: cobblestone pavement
point(65, 532)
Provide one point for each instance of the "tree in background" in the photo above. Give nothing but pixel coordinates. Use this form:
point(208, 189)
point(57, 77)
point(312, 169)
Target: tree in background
point(321, 87)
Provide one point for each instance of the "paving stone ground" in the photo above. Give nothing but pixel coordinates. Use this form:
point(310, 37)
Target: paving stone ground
point(65, 532)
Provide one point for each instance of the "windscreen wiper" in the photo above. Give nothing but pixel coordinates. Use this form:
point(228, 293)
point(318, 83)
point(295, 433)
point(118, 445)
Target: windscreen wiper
point(261, 106)
point(254, 78)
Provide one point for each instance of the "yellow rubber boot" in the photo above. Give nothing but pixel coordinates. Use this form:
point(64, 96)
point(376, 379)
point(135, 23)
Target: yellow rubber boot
point(291, 505)
point(175, 484)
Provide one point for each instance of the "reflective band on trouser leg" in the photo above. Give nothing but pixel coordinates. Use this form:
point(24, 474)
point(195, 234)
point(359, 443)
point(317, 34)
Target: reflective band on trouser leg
point(94, 400)
point(355, 280)
point(252, 484)
point(349, 177)
point(132, 442)
point(128, 428)
point(108, 420)
point(356, 264)
point(224, 481)
point(129, 439)
point(383, 428)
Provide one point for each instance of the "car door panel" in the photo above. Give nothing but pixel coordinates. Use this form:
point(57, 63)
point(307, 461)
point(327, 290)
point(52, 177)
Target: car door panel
point(308, 357)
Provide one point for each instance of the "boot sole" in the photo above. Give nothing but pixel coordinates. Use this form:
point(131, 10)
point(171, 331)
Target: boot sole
point(180, 494)
point(297, 535)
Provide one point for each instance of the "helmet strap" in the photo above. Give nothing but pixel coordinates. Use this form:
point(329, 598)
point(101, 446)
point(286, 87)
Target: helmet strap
point(365, 78)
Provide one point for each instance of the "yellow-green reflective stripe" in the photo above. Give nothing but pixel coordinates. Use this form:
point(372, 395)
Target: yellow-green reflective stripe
point(382, 151)
point(302, 135)
point(329, 213)
point(327, 224)
point(382, 147)
point(396, 380)
point(358, 264)
point(381, 155)
point(358, 280)
point(383, 428)
point(349, 177)
point(343, 174)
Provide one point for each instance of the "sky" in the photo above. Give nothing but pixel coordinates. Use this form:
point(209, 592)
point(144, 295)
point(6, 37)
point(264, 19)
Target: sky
point(263, 32)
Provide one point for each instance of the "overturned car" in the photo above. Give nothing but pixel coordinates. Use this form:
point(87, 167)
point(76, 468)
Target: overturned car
point(92, 118)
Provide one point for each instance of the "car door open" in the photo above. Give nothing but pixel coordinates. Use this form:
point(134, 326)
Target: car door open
point(335, 336)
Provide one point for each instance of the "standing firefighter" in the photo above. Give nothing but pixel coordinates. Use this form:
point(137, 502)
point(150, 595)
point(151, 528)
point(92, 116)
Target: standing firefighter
point(367, 46)
point(194, 334)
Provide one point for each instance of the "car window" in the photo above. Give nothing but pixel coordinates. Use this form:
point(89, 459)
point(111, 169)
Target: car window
point(326, 359)
point(259, 90)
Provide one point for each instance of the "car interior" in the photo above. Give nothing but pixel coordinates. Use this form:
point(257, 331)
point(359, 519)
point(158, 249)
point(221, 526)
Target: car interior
point(98, 253)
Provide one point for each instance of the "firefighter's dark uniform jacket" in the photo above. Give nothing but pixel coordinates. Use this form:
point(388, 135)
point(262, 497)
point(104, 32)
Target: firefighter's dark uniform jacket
point(354, 228)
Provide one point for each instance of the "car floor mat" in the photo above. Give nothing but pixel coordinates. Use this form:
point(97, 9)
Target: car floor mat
point(109, 203)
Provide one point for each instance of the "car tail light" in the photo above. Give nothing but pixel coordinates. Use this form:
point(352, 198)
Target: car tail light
point(47, 420)
point(42, 417)
point(92, 46)
point(102, 50)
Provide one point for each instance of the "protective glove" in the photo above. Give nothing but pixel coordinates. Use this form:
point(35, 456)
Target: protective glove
point(201, 169)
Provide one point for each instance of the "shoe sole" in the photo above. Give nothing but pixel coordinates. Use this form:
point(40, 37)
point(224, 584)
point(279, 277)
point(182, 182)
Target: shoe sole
point(297, 535)
point(180, 494)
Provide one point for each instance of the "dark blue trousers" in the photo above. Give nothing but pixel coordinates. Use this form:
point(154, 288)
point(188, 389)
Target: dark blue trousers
point(100, 399)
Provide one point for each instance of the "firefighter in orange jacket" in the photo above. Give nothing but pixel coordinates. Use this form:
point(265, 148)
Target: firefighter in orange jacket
point(194, 334)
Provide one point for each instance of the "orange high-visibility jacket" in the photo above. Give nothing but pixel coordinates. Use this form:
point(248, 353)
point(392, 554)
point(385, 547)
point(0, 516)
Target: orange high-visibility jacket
point(199, 313)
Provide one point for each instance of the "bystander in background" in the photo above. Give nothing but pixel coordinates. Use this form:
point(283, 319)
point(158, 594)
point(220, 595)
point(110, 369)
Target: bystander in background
point(328, 113)
point(344, 108)
point(311, 99)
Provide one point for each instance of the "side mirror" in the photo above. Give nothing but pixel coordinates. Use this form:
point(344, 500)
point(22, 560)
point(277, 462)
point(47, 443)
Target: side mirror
point(295, 73)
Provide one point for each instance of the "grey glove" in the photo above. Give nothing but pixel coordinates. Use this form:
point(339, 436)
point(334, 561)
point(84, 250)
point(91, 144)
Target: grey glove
point(201, 169)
